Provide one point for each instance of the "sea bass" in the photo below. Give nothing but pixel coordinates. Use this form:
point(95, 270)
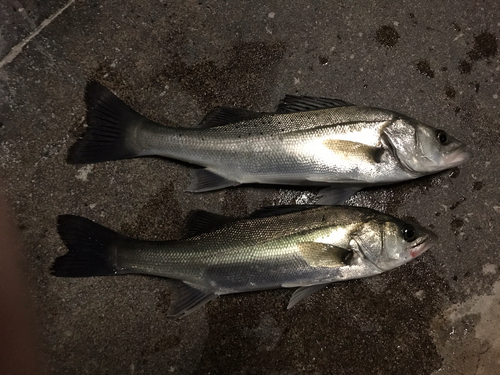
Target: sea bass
point(278, 247)
point(308, 141)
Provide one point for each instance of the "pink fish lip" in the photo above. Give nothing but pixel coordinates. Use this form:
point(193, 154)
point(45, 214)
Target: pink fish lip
point(423, 245)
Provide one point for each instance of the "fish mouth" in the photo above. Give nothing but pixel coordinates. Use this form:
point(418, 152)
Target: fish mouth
point(423, 244)
point(457, 157)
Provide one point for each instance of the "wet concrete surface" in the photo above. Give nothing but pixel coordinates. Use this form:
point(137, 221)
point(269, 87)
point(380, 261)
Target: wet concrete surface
point(174, 61)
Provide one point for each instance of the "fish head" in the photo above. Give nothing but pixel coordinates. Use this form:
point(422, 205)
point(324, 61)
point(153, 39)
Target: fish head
point(391, 243)
point(422, 149)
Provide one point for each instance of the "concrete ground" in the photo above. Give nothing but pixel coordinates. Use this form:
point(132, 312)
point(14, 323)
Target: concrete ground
point(174, 61)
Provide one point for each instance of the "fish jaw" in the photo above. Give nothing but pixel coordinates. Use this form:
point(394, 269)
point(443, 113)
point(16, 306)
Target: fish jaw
point(424, 245)
point(456, 158)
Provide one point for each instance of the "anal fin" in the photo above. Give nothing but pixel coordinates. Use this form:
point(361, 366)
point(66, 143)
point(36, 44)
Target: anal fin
point(205, 180)
point(186, 299)
point(303, 292)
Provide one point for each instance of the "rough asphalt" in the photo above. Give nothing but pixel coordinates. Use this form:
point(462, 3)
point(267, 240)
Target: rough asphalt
point(174, 61)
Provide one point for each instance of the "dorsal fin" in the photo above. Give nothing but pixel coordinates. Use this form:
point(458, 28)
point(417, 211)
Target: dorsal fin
point(200, 221)
point(221, 116)
point(292, 103)
point(280, 210)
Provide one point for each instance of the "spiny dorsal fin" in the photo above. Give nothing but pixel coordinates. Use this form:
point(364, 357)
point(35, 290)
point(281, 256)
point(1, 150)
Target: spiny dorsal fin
point(319, 254)
point(221, 116)
point(292, 103)
point(280, 210)
point(200, 221)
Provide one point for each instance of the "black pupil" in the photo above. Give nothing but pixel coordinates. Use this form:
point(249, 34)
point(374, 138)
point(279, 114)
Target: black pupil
point(409, 233)
point(442, 137)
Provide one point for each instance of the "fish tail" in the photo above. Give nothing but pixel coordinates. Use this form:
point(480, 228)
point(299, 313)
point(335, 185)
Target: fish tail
point(91, 248)
point(111, 122)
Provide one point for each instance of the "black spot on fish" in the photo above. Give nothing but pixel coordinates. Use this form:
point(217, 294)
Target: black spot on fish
point(323, 60)
point(424, 67)
point(464, 67)
point(485, 46)
point(477, 185)
point(387, 36)
point(450, 92)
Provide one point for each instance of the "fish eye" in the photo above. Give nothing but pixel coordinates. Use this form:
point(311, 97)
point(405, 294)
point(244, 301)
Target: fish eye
point(442, 137)
point(409, 233)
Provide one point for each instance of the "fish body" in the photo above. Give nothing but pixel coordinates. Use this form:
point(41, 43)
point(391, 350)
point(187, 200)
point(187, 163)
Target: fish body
point(307, 141)
point(306, 247)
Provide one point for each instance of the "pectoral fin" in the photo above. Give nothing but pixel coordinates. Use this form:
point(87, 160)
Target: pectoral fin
point(354, 151)
point(186, 299)
point(303, 292)
point(324, 255)
point(205, 180)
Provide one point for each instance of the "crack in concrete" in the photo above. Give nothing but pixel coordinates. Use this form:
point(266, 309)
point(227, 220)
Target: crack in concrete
point(17, 49)
point(480, 355)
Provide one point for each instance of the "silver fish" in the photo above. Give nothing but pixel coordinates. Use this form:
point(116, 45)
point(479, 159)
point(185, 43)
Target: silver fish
point(308, 141)
point(279, 247)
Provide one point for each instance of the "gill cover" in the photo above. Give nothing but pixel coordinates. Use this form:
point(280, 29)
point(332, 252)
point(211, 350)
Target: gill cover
point(422, 149)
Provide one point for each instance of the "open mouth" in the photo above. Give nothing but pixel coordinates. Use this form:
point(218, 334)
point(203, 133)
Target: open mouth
point(422, 245)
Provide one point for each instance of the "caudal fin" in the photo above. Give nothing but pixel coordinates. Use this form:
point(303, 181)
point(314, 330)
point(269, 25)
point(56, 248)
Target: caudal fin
point(109, 120)
point(91, 248)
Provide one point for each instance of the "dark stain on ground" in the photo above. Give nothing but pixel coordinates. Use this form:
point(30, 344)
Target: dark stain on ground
point(387, 36)
point(414, 21)
point(464, 67)
point(477, 185)
point(450, 92)
point(424, 67)
point(158, 219)
point(458, 203)
point(380, 320)
point(454, 172)
point(237, 83)
point(457, 27)
point(456, 224)
point(323, 60)
point(485, 46)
